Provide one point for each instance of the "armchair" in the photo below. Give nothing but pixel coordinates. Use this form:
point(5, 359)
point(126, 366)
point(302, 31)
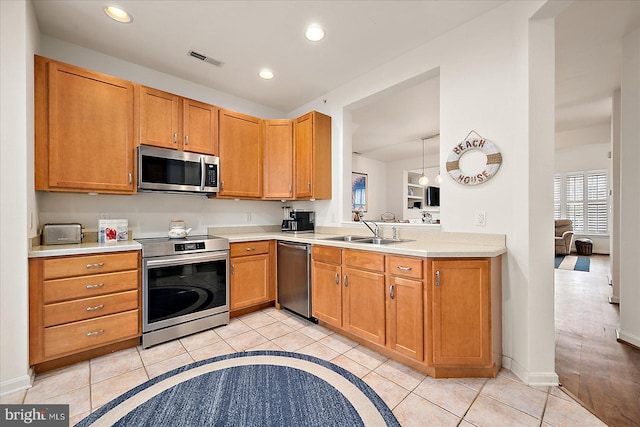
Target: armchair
point(564, 236)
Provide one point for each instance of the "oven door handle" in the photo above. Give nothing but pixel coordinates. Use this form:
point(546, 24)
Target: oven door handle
point(185, 259)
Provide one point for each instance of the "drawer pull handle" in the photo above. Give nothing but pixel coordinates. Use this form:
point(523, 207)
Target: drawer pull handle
point(251, 249)
point(437, 277)
point(346, 281)
point(97, 265)
point(97, 285)
point(97, 307)
point(404, 268)
point(391, 292)
point(233, 269)
point(186, 140)
point(93, 334)
point(337, 279)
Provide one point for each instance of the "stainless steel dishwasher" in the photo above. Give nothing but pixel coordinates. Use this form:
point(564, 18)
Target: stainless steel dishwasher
point(294, 277)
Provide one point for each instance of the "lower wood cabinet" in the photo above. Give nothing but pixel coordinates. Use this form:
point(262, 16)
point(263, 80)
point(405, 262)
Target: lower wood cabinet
point(251, 280)
point(81, 303)
point(442, 316)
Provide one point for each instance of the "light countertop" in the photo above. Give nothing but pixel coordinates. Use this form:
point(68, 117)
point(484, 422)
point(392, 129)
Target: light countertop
point(83, 248)
point(432, 245)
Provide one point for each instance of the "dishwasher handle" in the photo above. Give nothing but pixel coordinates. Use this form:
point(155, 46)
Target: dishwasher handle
point(300, 246)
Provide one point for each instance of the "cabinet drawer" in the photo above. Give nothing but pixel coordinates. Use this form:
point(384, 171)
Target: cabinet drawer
point(91, 264)
point(361, 259)
point(87, 308)
point(89, 286)
point(326, 254)
point(86, 334)
point(249, 248)
point(403, 266)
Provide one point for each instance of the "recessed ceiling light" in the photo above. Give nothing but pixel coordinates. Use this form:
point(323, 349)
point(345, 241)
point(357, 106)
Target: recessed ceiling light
point(118, 14)
point(314, 32)
point(266, 74)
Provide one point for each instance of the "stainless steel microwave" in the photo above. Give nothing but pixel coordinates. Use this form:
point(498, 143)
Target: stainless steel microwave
point(160, 169)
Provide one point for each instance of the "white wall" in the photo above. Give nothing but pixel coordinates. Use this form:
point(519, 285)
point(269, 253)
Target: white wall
point(485, 85)
point(592, 156)
point(18, 37)
point(377, 180)
point(630, 190)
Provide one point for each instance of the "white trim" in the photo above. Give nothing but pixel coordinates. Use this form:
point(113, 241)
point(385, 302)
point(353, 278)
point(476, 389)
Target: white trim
point(628, 338)
point(534, 379)
point(16, 384)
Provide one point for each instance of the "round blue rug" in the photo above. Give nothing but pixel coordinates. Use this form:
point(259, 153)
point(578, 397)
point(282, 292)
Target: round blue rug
point(255, 388)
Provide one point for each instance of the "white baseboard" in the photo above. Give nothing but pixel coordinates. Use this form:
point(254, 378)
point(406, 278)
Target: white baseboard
point(16, 384)
point(530, 378)
point(628, 338)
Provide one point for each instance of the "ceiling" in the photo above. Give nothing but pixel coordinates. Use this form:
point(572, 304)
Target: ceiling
point(250, 35)
point(360, 35)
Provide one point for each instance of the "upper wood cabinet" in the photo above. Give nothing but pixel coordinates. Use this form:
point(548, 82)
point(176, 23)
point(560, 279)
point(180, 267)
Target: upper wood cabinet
point(169, 121)
point(240, 155)
point(312, 150)
point(278, 159)
point(83, 130)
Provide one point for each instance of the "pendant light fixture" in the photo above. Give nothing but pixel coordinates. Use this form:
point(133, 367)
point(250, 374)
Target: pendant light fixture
point(424, 181)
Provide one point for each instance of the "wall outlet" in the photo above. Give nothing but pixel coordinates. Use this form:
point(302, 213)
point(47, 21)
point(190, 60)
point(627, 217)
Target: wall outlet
point(248, 216)
point(481, 218)
point(104, 215)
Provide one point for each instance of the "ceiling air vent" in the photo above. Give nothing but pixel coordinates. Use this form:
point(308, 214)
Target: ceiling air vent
point(205, 58)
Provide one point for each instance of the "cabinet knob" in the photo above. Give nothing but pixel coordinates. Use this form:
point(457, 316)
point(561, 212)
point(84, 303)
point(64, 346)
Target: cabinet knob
point(437, 277)
point(391, 292)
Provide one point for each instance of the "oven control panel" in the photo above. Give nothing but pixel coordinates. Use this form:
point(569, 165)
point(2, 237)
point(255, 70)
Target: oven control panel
point(189, 246)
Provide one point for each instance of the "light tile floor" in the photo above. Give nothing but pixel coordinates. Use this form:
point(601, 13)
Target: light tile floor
point(415, 399)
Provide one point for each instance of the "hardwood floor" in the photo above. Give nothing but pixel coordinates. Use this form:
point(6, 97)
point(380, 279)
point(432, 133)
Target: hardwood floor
point(603, 374)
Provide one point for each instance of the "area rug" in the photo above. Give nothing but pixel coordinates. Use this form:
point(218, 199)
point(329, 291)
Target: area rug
point(572, 262)
point(255, 388)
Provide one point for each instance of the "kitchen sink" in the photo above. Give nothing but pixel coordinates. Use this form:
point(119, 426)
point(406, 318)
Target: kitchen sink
point(369, 240)
point(348, 238)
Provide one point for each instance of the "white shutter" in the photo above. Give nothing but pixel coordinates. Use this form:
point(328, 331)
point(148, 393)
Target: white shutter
point(556, 197)
point(597, 212)
point(575, 200)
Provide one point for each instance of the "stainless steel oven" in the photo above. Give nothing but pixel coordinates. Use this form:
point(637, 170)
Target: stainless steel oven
point(185, 286)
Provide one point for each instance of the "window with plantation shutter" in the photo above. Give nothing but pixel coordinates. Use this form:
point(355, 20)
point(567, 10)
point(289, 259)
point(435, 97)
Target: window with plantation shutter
point(556, 197)
point(574, 191)
point(582, 197)
point(597, 210)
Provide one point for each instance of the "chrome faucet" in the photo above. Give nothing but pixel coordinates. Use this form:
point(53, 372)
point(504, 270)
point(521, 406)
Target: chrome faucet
point(376, 232)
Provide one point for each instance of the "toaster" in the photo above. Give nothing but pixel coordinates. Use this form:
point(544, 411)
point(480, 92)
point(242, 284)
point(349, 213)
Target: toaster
point(61, 234)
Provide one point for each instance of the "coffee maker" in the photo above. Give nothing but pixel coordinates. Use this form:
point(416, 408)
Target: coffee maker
point(299, 221)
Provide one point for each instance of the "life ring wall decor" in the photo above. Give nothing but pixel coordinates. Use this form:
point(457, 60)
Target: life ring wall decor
point(494, 160)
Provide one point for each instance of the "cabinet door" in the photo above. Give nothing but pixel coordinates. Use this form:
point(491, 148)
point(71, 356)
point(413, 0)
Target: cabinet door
point(278, 159)
point(159, 118)
point(363, 303)
point(405, 317)
point(326, 298)
point(200, 127)
point(303, 155)
point(249, 281)
point(90, 131)
point(461, 312)
point(240, 155)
